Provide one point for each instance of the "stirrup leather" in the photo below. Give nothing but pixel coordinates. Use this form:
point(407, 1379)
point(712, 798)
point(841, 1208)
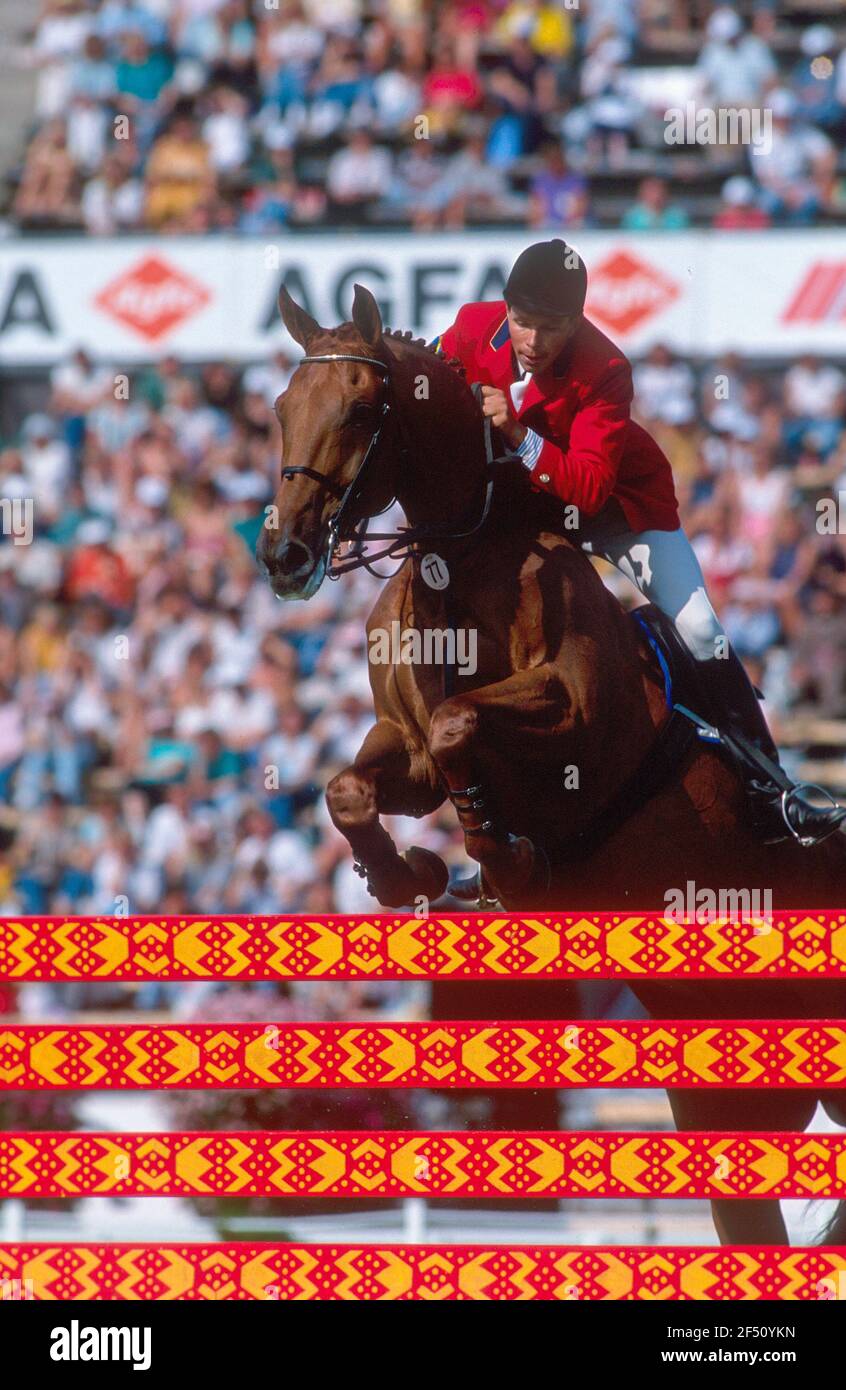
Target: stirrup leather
point(766, 783)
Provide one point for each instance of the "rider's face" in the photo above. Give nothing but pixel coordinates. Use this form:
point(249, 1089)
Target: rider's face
point(537, 339)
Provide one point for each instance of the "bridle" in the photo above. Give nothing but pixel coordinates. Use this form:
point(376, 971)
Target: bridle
point(402, 542)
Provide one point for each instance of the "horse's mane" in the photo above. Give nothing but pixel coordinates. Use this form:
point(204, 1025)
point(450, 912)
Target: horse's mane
point(406, 336)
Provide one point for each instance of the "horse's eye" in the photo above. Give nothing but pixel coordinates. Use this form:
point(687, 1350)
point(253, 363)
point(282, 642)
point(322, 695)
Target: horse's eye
point(361, 416)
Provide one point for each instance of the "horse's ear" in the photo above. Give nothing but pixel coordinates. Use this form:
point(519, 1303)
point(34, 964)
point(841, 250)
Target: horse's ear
point(366, 316)
point(299, 324)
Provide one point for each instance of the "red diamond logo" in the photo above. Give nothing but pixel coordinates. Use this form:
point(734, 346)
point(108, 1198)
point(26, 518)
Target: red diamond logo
point(152, 297)
point(625, 291)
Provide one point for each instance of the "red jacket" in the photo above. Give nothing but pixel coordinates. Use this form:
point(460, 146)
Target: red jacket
point(593, 449)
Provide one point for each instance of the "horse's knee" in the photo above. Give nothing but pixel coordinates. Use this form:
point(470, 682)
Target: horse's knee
point(451, 731)
point(351, 799)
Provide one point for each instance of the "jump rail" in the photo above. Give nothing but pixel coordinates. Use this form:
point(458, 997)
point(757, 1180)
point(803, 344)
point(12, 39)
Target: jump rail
point(432, 1272)
point(474, 946)
point(773, 1054)
point(765, 1054)
point(363, 1164)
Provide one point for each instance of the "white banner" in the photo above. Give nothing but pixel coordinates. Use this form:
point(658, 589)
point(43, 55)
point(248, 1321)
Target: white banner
point(772, 293)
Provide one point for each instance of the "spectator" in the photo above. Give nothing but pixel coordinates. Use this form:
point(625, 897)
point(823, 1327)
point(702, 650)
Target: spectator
point(473, 190)
point(179, 174)
point(273, 202)
point(523, 86)
point(814, 80)
point(558, 197)
point(79, 384)
point(356, 177)
point(113, 201)
point(269, 379)
point(760, 494)
point(738, 210)
point(786, 170)
point(225, 132)
point(93, 73)
point(46, 464)
point(415, 189)
point(142, 72)
point(653, 211)
point(59, 37)
point(97, 571)
point(449, 91)
point(735, 67)
point(815, 400)
point(48, 190)
point(665, 386)
point(608, 119)
point(396, 91)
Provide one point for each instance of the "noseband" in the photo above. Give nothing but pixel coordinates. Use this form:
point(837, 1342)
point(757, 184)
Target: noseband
point(403, 541)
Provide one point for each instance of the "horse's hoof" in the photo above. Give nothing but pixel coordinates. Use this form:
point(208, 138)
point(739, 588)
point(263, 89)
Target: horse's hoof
point(416, 874)
point(527, 882)
point(430, 872)
point(467, 890)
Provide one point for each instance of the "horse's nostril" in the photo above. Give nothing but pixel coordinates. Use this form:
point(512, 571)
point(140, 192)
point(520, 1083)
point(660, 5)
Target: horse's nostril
point(293, 557)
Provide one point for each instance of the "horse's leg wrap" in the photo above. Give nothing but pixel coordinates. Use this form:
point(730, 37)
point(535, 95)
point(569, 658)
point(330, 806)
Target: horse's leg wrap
point(508, 861)
point(475, 814)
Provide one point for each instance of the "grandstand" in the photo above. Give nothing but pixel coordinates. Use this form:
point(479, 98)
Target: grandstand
point(305, 115)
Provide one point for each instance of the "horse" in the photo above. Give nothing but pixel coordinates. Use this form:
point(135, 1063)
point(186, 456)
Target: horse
point(557, 723)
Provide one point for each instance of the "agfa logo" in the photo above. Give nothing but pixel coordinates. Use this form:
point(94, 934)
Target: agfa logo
point(821, 297)
point(153, 297)
point(624, 291)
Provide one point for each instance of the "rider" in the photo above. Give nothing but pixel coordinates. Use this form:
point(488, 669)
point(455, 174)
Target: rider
point(560, 392)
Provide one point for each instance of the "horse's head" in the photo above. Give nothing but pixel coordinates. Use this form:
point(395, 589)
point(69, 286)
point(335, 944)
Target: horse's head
point(332, 421)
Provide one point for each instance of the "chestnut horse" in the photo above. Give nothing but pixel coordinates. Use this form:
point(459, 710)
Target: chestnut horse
point(555, 722)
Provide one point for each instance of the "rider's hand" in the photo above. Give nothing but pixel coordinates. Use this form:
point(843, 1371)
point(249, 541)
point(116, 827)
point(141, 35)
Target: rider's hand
point(497, 406)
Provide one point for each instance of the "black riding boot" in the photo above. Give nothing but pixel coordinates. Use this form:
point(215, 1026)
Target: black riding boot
point(779, 808)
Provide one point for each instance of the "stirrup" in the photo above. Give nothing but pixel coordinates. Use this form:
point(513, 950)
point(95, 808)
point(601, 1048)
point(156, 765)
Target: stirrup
point(796, 791)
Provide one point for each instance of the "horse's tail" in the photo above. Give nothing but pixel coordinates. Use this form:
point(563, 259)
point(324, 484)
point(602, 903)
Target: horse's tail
point(834, 1231)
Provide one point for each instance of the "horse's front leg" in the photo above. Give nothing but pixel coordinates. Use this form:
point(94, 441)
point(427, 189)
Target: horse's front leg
point(530, 704)
point(380, 781)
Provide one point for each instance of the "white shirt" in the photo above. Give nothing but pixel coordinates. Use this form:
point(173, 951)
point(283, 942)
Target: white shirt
point(519, 388)
point(365, 173)
point(814, 391)
point(529, 447)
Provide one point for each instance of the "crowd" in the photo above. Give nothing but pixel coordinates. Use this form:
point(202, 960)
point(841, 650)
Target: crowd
point(167, 726)
point(238, 115)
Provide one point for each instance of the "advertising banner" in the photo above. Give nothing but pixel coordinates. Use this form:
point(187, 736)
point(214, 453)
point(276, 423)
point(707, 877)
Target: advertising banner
point(137, 299)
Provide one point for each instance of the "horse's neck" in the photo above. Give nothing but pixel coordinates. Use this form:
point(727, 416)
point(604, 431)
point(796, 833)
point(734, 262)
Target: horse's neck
point(441, 480)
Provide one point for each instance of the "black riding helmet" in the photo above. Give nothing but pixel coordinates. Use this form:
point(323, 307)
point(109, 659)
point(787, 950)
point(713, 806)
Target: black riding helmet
point(547, 278)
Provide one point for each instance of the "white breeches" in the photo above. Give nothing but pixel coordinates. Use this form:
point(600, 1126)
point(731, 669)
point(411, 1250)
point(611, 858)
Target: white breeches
point(664, 567)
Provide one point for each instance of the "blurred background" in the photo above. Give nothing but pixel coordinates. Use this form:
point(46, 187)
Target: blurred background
point(164, 166)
